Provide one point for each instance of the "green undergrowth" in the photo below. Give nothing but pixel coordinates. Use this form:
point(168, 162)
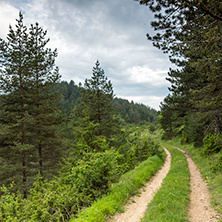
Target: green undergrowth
point(120, 192)
point(207, 166)
point(171, 202)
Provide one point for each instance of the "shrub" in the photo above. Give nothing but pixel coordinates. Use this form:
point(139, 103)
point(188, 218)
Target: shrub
point(216, 164)
point(212, 143)
point(93, 173)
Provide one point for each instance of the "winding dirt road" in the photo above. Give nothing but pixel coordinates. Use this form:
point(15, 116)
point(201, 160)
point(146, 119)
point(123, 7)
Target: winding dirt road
point(200, 210)
point(137, 208)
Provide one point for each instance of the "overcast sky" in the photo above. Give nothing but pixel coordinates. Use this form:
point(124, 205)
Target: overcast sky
point(111, 31)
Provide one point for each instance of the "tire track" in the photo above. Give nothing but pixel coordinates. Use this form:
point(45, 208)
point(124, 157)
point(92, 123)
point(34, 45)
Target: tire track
point(200, 209)
point(136, 210)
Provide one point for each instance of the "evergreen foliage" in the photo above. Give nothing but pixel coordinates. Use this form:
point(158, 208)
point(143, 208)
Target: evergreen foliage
point(97, 102)
point(190, 31)
point(29, 142)
point(134, 112)
point(70, 94)
point(94, 118)
point(128, 112)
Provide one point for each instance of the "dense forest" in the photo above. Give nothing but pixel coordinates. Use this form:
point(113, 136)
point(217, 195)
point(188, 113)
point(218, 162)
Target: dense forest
point(129, 112)
point(62, 145)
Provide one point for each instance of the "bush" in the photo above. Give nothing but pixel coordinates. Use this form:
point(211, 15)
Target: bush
point(46, 202)
point(87, 174)
point(212, 143)
point(93, 173)
point(61, 198)
point(137, 151)
point(216, 165)
point(120, 192)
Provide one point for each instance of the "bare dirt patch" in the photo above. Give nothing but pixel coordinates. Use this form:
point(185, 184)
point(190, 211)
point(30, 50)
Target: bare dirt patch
point(138, 204)
point(200, 209)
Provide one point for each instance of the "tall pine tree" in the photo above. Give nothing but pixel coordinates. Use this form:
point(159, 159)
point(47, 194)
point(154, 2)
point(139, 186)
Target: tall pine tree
point(43, 100)
point(14, 113)
point(28, 109)
point(96, 106)
point(190, 31)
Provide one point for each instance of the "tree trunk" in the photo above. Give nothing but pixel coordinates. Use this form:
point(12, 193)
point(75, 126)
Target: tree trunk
point(217, 123)
point(40, 160)
point(24, 174)
point(24, 163)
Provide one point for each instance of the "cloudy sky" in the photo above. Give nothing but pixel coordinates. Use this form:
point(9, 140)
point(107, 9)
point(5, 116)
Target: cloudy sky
point(111, 31)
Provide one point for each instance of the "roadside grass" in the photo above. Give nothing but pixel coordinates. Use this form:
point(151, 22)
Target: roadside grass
point(213, 178)
point(171, 202)
point(119, 193)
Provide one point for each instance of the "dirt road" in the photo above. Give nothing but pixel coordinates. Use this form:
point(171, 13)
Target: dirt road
point(200, 210)
point(138, 204)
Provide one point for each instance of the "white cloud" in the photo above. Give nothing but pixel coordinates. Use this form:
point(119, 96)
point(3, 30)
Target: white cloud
point(144, 74)
point(152, 101)
point(8, 14)
point(114, 32)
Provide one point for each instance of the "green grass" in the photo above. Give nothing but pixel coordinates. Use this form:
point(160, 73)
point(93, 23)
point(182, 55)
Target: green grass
point(171, 202)
point(212, 178)
point(120, 192)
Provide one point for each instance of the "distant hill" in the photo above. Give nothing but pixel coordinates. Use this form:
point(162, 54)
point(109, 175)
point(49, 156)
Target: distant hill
point(133, 112)
point(129, 111)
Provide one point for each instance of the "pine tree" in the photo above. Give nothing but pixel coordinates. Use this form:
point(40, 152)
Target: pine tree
point(190, 31)
point(14, 112)
point(42, 100)
point(27, 111)
point(96, 106)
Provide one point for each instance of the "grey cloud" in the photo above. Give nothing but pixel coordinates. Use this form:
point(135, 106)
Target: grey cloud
point(112, 31)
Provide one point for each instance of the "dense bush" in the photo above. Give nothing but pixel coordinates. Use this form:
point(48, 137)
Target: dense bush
point(216, 163)
point(92, 173)
point(85, 176)
point(119, 193)
point(212, 143)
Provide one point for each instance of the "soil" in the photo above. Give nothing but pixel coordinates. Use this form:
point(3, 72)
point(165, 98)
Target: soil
point(138, 204)
point(200, 209)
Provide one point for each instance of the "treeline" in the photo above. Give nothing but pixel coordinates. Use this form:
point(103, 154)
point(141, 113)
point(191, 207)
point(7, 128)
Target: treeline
point(130, 112)
point(59, 151)
point(190, 31)
point(134, 113)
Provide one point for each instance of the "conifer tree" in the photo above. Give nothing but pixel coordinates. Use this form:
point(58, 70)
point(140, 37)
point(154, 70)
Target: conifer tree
point(190, 31)
point(43, 101)
point(27, 111)
point(96, 105)
point(14, 112)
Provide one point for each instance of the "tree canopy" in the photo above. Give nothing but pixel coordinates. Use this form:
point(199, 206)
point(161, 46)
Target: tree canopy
point(191, 32)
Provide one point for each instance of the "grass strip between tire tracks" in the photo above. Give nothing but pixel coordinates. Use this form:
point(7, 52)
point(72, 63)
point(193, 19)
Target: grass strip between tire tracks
point(171, 202)
point(211, 177)
point(120, 192)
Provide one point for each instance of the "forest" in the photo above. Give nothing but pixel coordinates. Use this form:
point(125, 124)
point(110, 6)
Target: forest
point(128, 112)
point(63, 146)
